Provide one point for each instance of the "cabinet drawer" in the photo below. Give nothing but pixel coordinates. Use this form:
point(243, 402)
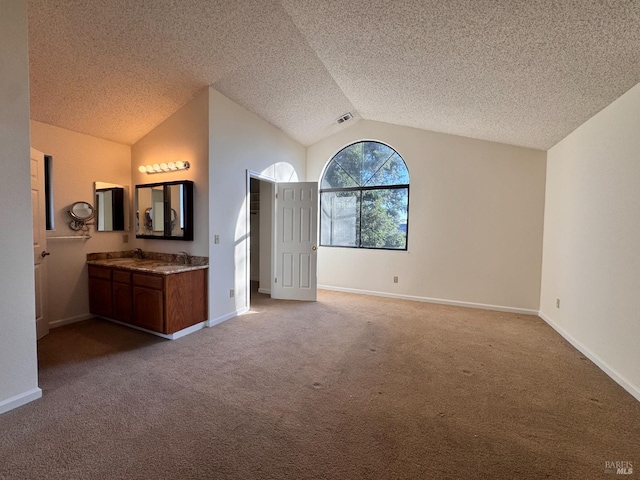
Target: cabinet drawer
point(98, 272)
point(149, 281)
point(121, 277)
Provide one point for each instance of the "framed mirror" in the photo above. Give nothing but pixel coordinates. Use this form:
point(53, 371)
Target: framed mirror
point(111, 205)
point(165, 210)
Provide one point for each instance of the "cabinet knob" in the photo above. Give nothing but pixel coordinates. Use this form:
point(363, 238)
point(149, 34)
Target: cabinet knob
point(44, 254)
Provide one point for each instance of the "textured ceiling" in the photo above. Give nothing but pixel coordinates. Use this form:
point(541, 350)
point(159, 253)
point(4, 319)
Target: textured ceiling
point(523, 72)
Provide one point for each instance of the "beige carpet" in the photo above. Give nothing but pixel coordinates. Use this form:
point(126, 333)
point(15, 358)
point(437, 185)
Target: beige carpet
point(350, 387)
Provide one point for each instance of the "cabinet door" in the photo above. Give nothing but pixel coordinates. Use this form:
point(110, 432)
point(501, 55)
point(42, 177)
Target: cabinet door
point(185, 300)
point(148, 309)
point(122, 302)
point(100, 296)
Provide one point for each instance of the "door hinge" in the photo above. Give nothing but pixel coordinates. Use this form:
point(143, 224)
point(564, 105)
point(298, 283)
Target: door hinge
point(276, 279)
point(276, 196)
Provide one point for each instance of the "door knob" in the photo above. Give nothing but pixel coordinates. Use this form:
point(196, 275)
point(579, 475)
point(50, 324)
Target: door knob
point(314, 248)
point(44, 254)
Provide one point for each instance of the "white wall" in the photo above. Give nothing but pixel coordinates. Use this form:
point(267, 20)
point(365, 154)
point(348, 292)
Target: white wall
point(239, 141)
point(255, 247)
point(266, 240)
point(591, 258)
point(78, 161)
point(255, 222)
point(18, 362)
point(475, 221)
point(182, 136)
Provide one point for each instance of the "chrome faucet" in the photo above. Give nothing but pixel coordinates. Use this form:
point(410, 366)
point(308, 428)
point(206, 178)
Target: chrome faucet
point(138, 253)
point(186, 258)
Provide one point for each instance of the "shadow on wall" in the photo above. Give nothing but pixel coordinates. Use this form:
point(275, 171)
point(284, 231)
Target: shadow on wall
point(281, 172)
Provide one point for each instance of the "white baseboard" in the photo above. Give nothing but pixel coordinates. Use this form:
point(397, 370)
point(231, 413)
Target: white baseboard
point(168, 336)
point(266, 291)
point(440, 301)
point(601, 364)
point(20, 399)
point(216, 321)
point(187, 331)
point(70, 320)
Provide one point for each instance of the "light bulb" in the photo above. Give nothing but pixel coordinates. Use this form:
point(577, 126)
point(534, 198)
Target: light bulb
point(172, 166)
point(179, 164)
point(142, 169)
point(163, 167)
point(156, 167)
point(149, 169)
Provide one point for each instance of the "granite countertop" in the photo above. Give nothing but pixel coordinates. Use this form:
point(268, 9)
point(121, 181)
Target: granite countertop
point(162, 264)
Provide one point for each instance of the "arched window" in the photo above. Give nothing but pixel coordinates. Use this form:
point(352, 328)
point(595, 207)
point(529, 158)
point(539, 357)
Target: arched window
point(364, 198)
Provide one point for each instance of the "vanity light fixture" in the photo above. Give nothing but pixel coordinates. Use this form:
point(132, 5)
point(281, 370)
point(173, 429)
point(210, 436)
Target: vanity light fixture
point(164, 167)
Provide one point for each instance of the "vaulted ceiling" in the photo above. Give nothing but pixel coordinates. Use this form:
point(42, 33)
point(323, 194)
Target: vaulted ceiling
point(513, 71)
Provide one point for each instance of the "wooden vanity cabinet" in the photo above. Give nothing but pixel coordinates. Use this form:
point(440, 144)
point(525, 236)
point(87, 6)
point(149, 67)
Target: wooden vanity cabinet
point(161, 303)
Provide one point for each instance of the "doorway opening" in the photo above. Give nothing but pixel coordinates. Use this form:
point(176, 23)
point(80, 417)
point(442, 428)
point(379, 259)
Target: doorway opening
point(260, 227)
point(281, 224)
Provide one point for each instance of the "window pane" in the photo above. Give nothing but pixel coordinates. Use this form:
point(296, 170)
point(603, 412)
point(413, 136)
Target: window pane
point(340, 218)
point(384, 218)
point(393, 172)
point(48, 192)
point(336, 177)
point(375, 217)
point(375, 155)
point(350, 159)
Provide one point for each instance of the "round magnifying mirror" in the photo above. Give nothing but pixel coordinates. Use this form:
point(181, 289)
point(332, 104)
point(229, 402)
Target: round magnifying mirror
point(82, 211)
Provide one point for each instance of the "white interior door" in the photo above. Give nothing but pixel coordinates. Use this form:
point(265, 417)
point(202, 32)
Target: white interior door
point(39, 241)
point(295, 252)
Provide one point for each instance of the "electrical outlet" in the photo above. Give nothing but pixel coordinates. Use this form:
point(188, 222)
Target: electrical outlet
point(216, 239)
point(395, 279)
point(125, 238)
point(232, 293)
point(557, 303)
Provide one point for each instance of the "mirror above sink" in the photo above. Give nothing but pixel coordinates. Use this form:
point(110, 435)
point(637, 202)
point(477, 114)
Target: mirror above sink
point(164, 210)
